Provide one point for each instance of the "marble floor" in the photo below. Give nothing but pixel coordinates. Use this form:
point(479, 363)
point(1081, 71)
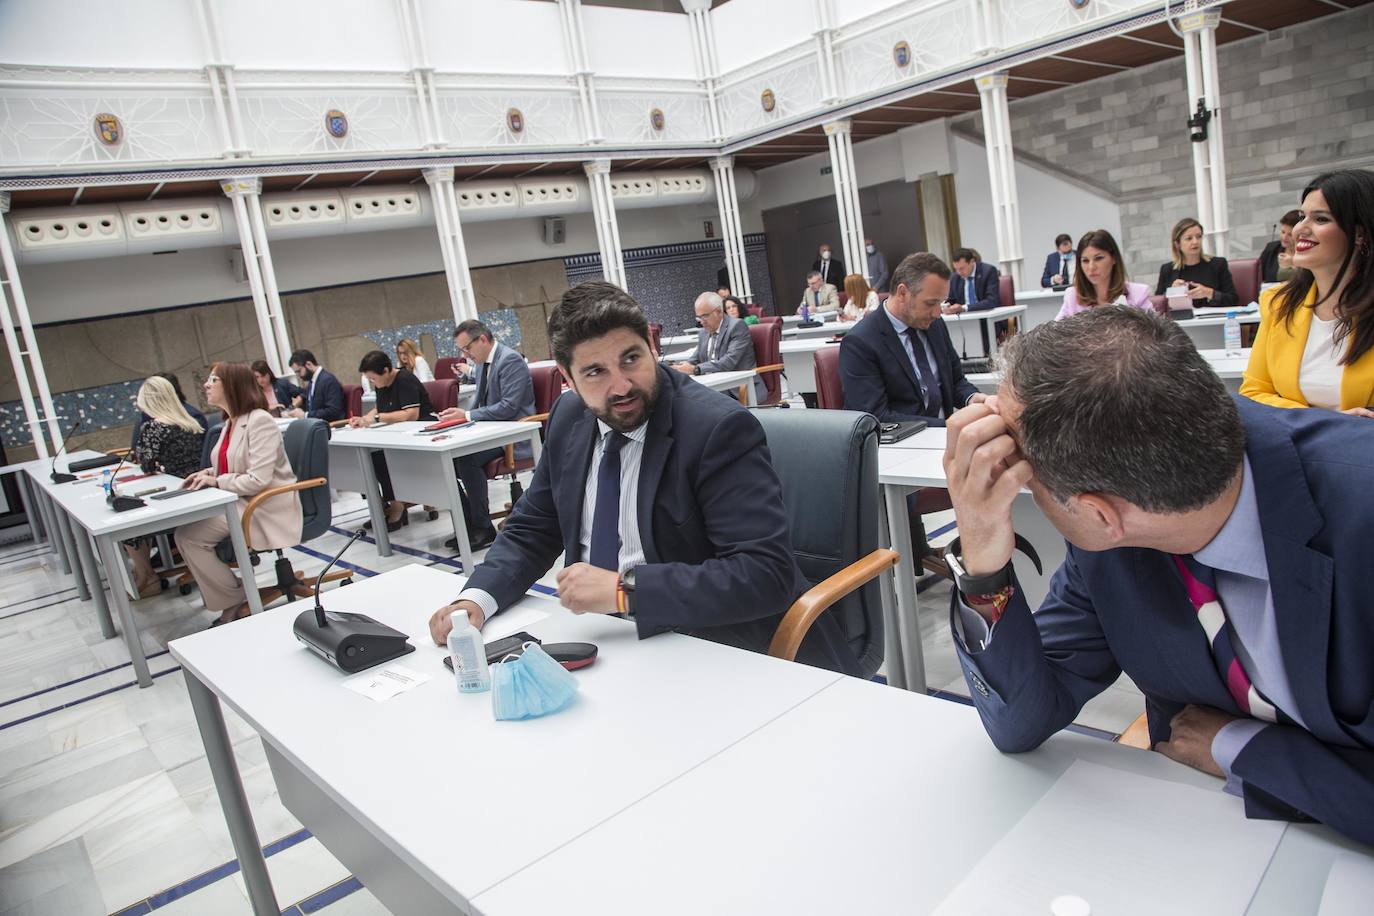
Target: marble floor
point(106, 802)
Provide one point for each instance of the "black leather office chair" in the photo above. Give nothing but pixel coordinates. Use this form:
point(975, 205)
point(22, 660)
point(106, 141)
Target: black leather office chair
point(827, 461)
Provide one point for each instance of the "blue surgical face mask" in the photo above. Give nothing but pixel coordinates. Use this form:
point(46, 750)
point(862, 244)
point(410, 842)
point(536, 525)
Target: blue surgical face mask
point(870, 249)
point(530, 686)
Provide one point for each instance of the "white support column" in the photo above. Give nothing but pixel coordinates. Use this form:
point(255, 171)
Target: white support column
point(992, 90)
point(847, 195)
point(704, 55)
point(243, 194)
point(12, 290)
point(607, 229)
point(220, 74)
point(451, 245)
point(1209, 157)
point(574, 43)
point(825, 52)
point(421, 74)
point(269, 281)
point(732, 235)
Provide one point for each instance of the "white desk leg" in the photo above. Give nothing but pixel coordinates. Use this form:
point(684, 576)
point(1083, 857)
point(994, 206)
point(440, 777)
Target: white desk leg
point(373, 494)
point(455, 511)
point(536, 447)
point(244, 558)
point(219, 753)
point(109, 552)
point(102, 607)
point(892, 646)
point(992, 338)
point(40, 532)
point(908, 618)
point(48, 510)
point(64, 525)
point(753, 394)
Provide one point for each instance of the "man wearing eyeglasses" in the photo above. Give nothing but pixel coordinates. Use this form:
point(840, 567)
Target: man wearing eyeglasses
point(505, 391)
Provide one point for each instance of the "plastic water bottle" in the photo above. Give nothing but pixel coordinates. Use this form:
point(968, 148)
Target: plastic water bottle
point(469, 655)
point(1232, 334)
point(805, 312)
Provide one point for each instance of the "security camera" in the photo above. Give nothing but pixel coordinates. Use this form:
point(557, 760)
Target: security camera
point(1197, 124)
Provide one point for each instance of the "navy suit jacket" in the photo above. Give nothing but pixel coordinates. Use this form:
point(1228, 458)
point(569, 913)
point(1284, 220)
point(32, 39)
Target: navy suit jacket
point(1126, 609)
point(878, 378)
point(1054, 261)
point(510, 391)
point(285, 391)
point(719, 558)
point(328, 401)
point(985, 291)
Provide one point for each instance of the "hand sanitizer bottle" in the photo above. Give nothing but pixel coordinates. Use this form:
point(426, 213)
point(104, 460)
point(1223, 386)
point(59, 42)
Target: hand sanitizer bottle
point(1232, 334)
point(469, 655)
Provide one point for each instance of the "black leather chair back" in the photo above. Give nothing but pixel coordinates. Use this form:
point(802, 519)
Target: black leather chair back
point(307, 448)
point(207, 448)
point(827, 461)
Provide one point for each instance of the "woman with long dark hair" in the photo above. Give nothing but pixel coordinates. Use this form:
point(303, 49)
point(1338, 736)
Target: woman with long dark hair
point(1315, 346)
point(1101, 278)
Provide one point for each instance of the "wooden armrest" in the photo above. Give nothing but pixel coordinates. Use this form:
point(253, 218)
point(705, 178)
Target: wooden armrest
point(1137, 734)
point(535, 418)
point(268, 494)
point(818, 599)
point(118, 452)
point(775, 367)
point(336, 424)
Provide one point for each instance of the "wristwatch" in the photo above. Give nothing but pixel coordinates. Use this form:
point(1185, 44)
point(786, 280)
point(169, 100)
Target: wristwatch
point(994, 588)
point(627, 591)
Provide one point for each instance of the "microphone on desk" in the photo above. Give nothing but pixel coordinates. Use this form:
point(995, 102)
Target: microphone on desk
point(117, 502)
point(349, 642)
point(56, 475)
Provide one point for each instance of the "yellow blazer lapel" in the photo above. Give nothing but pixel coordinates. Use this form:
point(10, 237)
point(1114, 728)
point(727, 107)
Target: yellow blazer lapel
point(1357, 382)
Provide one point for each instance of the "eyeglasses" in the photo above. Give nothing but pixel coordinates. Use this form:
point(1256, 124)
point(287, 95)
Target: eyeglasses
point(214, 379)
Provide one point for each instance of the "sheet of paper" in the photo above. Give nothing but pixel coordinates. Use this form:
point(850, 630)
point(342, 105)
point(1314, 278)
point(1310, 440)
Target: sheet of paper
point(383, 683)
point(512, 620)
point(1127, 844)
point(1349, 886)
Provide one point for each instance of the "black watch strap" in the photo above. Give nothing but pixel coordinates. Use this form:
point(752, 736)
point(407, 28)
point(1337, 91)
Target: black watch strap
point(992, 582)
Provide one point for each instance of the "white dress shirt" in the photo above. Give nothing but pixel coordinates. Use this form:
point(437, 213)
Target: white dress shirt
point(631, 547)
point(1319, 375)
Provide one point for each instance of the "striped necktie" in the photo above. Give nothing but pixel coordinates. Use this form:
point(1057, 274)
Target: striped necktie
point(1201, 585)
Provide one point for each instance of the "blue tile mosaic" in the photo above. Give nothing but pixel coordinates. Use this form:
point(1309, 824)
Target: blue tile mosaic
point(666, 279)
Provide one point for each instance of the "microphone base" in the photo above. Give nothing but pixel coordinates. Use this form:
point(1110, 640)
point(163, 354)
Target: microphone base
point(125, 503)
point(350, 642)
point(59, 477)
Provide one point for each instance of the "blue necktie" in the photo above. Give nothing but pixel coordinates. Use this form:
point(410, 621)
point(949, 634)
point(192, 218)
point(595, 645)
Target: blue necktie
point(605, 549)
point(930, 382)
point(968, 293)
point(310, 396)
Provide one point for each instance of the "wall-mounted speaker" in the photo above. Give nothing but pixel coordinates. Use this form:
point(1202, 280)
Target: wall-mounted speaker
point(555, 230)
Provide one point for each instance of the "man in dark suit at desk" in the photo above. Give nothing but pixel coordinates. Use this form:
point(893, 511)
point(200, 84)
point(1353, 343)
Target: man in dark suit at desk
point(974, 288)
point(1236, 596)
point(723, 343)
point(659, 493)
point(505, 391)
point(899, 364)
point(323, 398)
point(1060, 264)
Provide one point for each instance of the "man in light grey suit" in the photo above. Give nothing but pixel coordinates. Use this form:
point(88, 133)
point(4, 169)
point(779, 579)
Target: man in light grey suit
point(723, 344)
point(504, 392)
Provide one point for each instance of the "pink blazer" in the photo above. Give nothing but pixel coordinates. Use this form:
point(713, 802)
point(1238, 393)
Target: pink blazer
point(257, 461)
point(1137, 294)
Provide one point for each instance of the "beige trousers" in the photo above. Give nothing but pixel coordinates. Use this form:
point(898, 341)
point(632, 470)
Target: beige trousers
point(219, 586)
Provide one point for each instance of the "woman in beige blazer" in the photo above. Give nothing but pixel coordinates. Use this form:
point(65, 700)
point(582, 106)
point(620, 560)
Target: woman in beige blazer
point(247, 459)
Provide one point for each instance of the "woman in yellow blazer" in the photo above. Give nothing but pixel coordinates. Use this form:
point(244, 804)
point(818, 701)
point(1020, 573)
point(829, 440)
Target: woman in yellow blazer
point(247, 459)
point(1315, 346)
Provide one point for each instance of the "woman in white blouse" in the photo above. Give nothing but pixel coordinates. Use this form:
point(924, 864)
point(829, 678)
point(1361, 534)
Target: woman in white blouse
point(408, 356)
point(862, 300)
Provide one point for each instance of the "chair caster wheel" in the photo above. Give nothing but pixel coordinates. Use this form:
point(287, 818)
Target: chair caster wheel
point(184, 589)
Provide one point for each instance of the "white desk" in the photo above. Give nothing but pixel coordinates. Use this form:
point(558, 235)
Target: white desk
point(1230, 369)
point(990, 317)
point(467, 392)
point(789, 321)
point(799, 362)
point(822, 332)
point(728, 381)
point(381, 785)
point(1208, 330)
point(1042, 306)
point(904, 470)
point(860, 800)
point(82, 506)
point(421, 467)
